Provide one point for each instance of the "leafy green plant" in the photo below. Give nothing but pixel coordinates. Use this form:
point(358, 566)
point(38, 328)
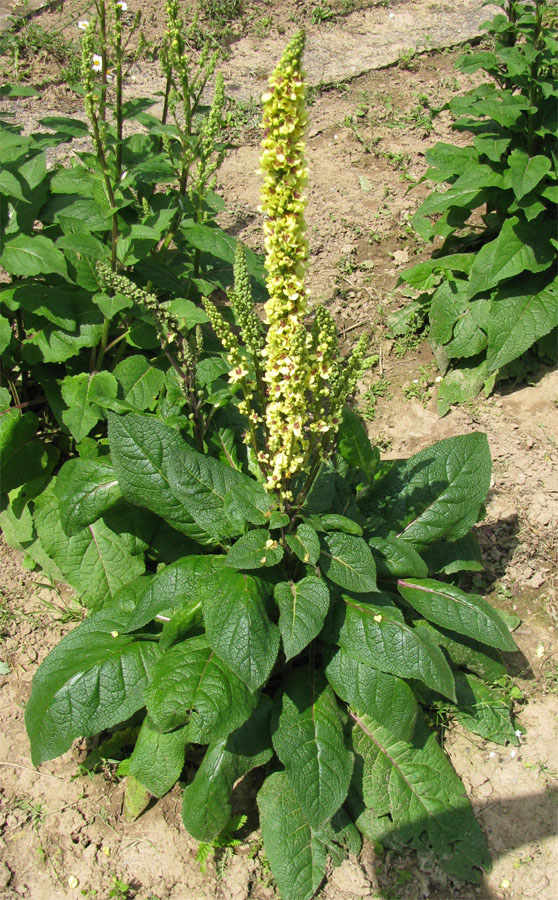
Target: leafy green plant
point(490, 292)
point(300, 610)
point(107, 259)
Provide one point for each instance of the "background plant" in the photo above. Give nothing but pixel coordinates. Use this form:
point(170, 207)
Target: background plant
point(107, 257)
point(302, 610)
point(489, 294)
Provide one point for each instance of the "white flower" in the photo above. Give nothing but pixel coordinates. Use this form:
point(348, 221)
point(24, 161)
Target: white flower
point(83, 24)
point(518, 733)
point(438, 379)
point(96, 62)
point(123, 6)
point(492, 754)
point(392, 15)
point(513, 753)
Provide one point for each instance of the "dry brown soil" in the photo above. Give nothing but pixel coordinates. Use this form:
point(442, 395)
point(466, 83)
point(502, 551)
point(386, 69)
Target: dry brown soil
point(61, 833)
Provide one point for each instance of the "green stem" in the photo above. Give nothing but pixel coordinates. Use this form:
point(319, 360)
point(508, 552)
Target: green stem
point(103, 344)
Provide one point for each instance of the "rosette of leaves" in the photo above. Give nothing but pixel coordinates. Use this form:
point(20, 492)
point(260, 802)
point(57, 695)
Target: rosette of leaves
point(490, 293)
point(312, 635)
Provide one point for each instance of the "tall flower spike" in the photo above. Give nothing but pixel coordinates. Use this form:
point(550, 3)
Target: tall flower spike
point(284, 168)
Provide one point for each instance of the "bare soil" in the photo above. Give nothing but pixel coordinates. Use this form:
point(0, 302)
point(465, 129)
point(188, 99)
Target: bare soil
point(62, 834)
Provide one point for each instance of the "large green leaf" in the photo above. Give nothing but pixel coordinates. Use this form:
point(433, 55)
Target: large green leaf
point(158, 470)
point(297, 852)
point(139, 382)
point(388, 699)
point(354, 445)
point(143, 451)
point(395, 557)
point(526, 172)
point(520, 316)
point(308, 739)
point(192, 686)
point(438, 493)
point(376, 634)
point(206, 807)
point(158, 758)
point(96, 561)
point(80, 393)
point(414, 793)
point(22, 455)
point(177, 586)
point(93, 679)
point(483, 709)
point(484, 661)
point(520, 246)
point(453, 608)
point(37, 255)
point(238, 626)
point(86, 489)
point(347, 561)
point(303, 607)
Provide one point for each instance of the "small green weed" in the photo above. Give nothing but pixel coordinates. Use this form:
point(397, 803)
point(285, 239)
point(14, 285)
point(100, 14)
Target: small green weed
point(120, 889)
point(420, 388)
point(321, 13)
point(225, 841)
point(377, 389)
point(221, 11)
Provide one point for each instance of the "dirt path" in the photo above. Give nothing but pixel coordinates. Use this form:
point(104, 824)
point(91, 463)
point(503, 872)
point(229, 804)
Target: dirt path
point(61, 832)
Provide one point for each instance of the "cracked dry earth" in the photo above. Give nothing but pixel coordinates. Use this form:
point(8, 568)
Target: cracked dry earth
point(62, 835)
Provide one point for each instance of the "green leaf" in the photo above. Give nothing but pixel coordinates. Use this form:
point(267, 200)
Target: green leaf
point(10, 186)
point(526, 172)
point(438, 493)
point(305, 544)
point(254, 550)
point(191, 686)
point(5, 333)
point(136, 799)
point(139, 382)
point(449, 606)
point(415, 793)
point(145, 454)
point(72, 127)
point(36, 255)
point(158, 470)
point(457, 556)
point(394, 558)
point(93, 679)
point(80, 393)
point(520, 246)
point(86, 489)
point(188, 312)
point(388, 699)
point(483, 710)
point(347, 561)
point(354, 445)
point(520, 317)
point(308, 739)
point(297, 853)
point(96, 561)
point(302, 610)
point(376, 634)
point(334, 522)
point(176, 586)
point(158, 759)
point(484, 661)
point(206, 807)
point(238, 626)
point(22, 455)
